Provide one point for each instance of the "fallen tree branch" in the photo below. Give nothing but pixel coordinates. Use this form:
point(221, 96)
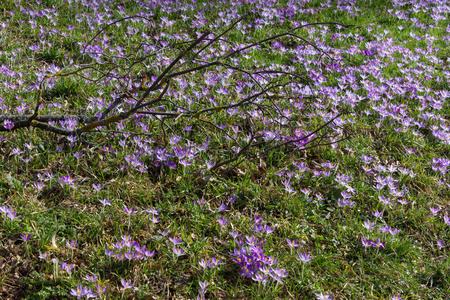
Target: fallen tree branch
point(263, 99)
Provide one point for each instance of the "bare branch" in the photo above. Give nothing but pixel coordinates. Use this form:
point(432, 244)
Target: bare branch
point(267, 94)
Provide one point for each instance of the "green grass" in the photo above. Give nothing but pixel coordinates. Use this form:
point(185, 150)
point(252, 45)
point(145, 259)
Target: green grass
point(410, 265)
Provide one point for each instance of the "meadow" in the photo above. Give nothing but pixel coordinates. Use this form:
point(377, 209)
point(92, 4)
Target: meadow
point(224, 150)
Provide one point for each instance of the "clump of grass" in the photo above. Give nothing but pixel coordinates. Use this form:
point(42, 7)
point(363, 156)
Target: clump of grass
point(145, 213)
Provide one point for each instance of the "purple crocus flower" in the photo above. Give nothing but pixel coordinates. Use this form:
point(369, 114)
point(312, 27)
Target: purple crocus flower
point(16, 151)
point(304, 257)
point(178, 251)
point(12, 214)
point(98, 187)
point(268, 229)
point(39, 185)
point(148, 253)
point(90, 294)
point(366, 243)
point(203, 286)
point(126, 283)
point(201, 201)
point(72, 244)
point(66, 266)
point(323, 296)
point(26, 159)
point(154, 219)
point(222, 221)
point(25, 237)
point(203, 263)
point(293, 244)
point(105, 202)
point(153, 211)
point(377, 214)
point(447, 220)
point(214, 262)
point(67, 179)
point(176, 241)
point(109, 252)
point(278, 273)
point(164, 232)
point(8, 125)
point(90, 278)
point(440, 244)
point(222, 207)
point(34, 47)
point(259, 277)
point(368, 225)
point(101, 290)
point(78, 155)
point(129, 211)
point(235, 234)
point(210, 164)
point(435, 210)
point(232, 199)
point(79, 292)
point(378, 243)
